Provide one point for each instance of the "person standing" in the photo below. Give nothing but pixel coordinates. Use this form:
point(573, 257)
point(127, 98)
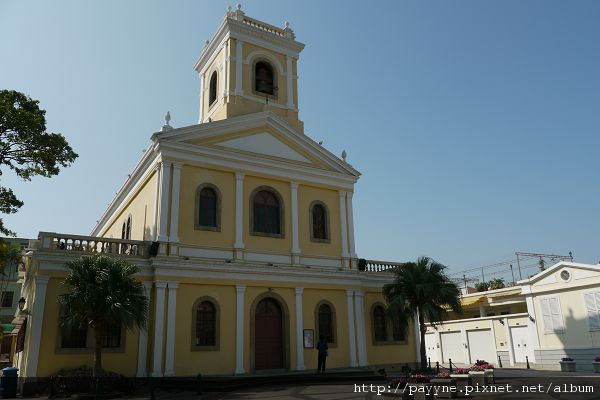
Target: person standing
point(322, 347)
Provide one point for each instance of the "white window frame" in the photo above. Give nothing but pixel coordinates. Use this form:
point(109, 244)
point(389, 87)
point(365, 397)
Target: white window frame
point(552, 329)
point(593, 292)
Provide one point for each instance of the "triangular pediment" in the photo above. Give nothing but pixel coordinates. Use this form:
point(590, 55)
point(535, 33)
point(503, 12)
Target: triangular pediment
point(263, 143)
point(263, 135)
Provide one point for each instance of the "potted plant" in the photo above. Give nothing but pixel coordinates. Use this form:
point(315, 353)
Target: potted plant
point(445, 385)
point(418, 386)
point(488, 369)
point(478, 377)
point(462, 378)
point(397, 389)
point(596, 364)
point(567, 364)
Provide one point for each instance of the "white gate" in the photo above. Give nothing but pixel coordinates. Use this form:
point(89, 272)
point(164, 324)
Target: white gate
point(520, 336)
point(452, 347)
point(431, 345)
point(481, 345)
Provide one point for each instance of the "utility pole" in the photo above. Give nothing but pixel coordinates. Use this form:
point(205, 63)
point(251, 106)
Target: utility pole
point(512, 273)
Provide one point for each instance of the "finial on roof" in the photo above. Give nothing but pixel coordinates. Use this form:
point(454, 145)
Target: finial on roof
point(167, 126)
point(206, 43)
point(228, 8)
point(344, 155)
point(288, 32)
point(239, 6)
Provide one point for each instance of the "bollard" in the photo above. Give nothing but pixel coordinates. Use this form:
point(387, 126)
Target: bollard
point(527, 361)
point(437, 367)
point(450, 361)
point(429, 362)
point(499, 362)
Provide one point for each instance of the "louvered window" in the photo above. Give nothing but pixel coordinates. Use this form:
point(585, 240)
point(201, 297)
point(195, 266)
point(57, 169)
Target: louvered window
point(551, 314)
point(592, 305)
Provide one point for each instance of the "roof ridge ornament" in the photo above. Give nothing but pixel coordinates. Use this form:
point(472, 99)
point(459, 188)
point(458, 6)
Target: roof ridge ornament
point(288, 32)
point(167, 126)
point(344, 155)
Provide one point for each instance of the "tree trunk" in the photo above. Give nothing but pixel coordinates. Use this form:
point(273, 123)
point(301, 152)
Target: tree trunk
point(423, 329)
point(97, 351)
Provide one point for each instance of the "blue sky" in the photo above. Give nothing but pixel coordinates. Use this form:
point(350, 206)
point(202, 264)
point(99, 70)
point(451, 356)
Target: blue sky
point(475, 123)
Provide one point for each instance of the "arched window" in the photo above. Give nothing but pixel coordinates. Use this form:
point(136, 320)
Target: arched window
point(205, 327)
point(124, 231)
point(207, 208)
point(212, 91)
point(264, 78)
point(266, 213)
point(128, 230)
point(319, 222)
point(379, 324)
point(72, 336)
point(326, 322)
point(398, 331)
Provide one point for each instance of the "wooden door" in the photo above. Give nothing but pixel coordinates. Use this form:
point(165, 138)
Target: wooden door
point(268, 335)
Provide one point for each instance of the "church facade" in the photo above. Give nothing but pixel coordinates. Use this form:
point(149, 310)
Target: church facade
point(243, 228)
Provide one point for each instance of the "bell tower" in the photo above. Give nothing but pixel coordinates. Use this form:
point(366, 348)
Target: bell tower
point(247, 67)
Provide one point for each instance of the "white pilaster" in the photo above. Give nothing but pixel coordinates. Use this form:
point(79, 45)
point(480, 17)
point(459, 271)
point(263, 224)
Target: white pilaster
point(360, 327)
point(224, 69)
point(201, 109)
point(532, 329)
point(438, 347)
point(351, 327)
point(343, 224)
point(239, 62)
point(176, 188)
point(171, 313)
point(239, 329)
point(352, 248)
point(299, 331)
point(143, 339)
point(465, 339)
point(156, 203)
point(163, 207)
point(239, 214)
point(158, 329)
point(289, 82)
point(509, 342)
point(481, 311)
point(36, 307)
point(295, 238)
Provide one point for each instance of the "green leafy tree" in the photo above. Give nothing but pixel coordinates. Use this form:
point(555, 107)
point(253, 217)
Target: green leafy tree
point(422, 287)
point(102, 292)
point(482, 286)
point(25, 146)
point(497, 283)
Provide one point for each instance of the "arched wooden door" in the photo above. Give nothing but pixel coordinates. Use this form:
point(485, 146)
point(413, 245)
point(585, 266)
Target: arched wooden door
point(268, 335)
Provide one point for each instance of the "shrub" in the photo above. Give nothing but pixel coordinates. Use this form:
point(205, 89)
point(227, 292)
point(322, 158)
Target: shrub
point(443, 374)
point(597, 359)
point(482, 286)
point(476, 368)
point(497, 283)
point(461, 371)
point(566, 359)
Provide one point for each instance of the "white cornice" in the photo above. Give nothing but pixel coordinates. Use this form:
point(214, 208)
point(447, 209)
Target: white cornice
point(241, 31)
point(129, 188)
point(555, 267)
point(234, 161)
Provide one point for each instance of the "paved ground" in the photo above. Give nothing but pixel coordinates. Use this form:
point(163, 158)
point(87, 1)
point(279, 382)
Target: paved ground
point(510, 384)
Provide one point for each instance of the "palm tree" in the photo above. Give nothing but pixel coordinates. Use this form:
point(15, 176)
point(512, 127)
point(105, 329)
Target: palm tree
point(421, 288)
point(102, 292)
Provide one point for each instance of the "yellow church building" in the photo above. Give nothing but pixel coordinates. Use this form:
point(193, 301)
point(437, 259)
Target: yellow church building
point(243, 228)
